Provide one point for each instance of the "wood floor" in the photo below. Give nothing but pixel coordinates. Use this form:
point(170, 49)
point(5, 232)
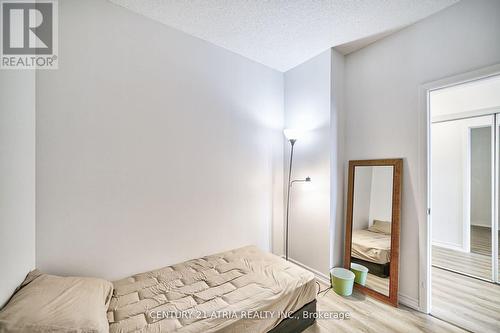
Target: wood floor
point(467, 302)
point(469, 263)
point(481, 240)
point(378, 284)
point(476, 263)
point(368, 315)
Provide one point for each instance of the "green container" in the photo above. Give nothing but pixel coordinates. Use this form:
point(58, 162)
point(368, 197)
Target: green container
point(360, 273)
point(342, 281)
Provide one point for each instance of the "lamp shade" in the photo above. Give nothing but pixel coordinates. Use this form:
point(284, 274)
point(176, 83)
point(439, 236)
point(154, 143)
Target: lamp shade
point(292, 134)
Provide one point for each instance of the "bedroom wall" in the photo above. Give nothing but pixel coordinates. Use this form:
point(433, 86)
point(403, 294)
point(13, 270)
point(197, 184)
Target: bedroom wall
point(308, 108)
point(362, 197)
point(477, 95)
point(372, 196)
point(381, 194)
point(152, 146)
point(17, 179)
point(338, 193)
point(448, 148)
point(382, 105)
point(481, 176)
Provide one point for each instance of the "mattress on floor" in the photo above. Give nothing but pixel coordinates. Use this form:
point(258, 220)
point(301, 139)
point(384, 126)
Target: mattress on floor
point(371, 246)
point(242, 290)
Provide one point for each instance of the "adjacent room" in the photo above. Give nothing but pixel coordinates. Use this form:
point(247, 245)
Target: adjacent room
point(257, 166)
point(464, 183)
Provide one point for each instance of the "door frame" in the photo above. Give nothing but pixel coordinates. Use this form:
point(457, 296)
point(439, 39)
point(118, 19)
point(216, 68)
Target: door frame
point(424, 176)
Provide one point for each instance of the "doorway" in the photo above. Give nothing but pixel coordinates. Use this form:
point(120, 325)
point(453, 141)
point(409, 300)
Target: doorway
point(464, 156)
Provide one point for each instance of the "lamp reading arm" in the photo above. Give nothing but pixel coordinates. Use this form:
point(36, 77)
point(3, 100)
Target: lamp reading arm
point(307, 180)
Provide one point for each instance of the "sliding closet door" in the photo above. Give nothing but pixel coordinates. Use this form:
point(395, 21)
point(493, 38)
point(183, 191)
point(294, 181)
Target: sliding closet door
point(463, 195)
point(495, 235)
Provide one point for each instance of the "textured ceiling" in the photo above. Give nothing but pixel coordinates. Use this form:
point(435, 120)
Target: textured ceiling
point(284, 33)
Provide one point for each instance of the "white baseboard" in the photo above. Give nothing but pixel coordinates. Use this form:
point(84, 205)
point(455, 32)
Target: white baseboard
point(320, 276)
point(409, 302)
point(449, 246)
point(403, 299)
point(484, 224)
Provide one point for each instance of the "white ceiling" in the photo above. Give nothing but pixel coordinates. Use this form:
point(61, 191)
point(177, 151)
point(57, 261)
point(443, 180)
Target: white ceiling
point(284, 33)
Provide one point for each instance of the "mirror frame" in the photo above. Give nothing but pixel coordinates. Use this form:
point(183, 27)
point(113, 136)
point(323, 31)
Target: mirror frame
point(397, 163)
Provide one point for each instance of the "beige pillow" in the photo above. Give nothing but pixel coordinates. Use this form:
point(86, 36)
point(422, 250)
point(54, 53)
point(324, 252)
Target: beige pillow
point(382, 227)
point(49, 303)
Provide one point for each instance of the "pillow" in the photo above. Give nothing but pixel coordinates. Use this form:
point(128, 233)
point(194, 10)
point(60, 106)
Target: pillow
point(382, 227)
point(49, 303)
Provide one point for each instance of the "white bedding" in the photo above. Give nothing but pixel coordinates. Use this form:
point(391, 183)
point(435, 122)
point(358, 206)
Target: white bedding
point(244, 279)
point(371, 246)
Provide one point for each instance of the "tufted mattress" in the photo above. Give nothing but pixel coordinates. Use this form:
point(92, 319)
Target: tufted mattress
point(243, 290)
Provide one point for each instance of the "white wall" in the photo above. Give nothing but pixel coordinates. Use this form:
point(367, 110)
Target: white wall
point(152, 146)
point(308, 107)
point(338, 193)
point(452, 180)
point(17, 179)
point(382, 101)
point(381, 194)
point(482, 94)
point(476, 95)
point(372, 195)
point(362, 195)
point(448, 171)
point(481, 176)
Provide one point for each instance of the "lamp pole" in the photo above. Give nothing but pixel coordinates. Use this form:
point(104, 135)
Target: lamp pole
point(292, 143)
point(291, 135)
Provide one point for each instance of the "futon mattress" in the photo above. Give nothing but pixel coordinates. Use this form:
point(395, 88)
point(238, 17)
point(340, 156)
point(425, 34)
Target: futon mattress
point(243, 290)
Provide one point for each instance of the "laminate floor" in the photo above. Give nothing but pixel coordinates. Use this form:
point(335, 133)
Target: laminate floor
point(481, 240)
point(475, 263)
point(469, 263)
point(467, 302)
point(377, 283)
point(368, 315)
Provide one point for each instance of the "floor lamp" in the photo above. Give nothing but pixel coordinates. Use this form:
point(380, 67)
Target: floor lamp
point(292, 136)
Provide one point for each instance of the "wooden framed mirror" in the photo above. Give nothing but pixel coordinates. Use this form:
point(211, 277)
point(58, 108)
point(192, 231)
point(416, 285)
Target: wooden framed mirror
point(373, 226)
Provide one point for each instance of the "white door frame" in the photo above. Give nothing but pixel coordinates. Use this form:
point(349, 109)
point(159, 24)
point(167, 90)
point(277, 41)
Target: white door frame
point(424, 174)
point(496, 196)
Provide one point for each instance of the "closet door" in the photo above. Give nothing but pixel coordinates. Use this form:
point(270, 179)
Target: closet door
point(495, 235)
point(463, 188)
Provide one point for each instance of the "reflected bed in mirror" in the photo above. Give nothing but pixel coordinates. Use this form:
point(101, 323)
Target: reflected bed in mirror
point(372, 233)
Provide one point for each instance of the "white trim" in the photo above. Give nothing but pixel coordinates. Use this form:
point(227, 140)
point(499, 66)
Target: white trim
point(461, 273)
point(496, 194)
point(481, 223)
point(467, 191)
point(423, 213)
point(450, 246)
point(320, 276)
point(465, 115)
point(424, 134)
point(409, 301)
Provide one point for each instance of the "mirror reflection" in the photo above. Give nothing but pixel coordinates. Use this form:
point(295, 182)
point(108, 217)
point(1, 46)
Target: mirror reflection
point(371, 226)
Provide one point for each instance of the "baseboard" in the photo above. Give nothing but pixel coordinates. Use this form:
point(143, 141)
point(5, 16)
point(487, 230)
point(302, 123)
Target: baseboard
point(409, 302)
point(481, 224)
point(403, 299)
point(320, 276)
point(448, 246)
